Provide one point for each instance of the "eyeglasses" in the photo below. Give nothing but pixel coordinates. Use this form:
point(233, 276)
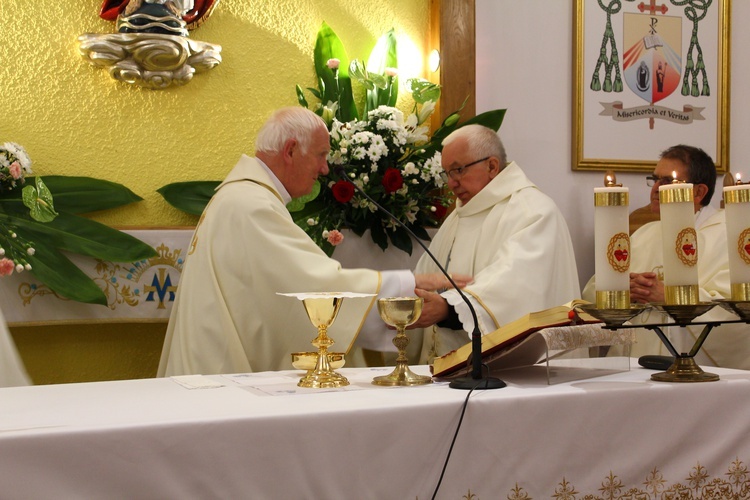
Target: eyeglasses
point(458, 172)
point(654, 180)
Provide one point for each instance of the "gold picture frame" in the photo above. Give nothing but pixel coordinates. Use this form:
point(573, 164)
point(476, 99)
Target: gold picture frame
point(649, 74)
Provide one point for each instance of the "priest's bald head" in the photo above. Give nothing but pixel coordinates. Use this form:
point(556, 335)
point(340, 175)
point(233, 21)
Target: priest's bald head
point(294, 144)
point(472, 156)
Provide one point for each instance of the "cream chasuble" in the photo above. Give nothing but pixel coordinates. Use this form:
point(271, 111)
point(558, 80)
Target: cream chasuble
point(227, 316)
point(514, 241)
point(726, 345)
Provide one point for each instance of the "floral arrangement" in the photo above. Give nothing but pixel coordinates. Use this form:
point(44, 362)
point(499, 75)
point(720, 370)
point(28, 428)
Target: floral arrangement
point(34, 229)
point(389, 157)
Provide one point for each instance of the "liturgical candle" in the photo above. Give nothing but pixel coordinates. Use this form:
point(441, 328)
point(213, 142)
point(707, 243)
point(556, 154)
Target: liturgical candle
point(680, 243)
point(737, 212)
point(611, 246)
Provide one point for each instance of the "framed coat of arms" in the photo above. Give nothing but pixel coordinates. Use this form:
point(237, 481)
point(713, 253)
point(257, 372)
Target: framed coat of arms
point(649, 74)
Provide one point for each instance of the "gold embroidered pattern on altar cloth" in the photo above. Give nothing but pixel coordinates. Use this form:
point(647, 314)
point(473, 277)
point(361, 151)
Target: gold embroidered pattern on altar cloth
point(698, 483)
point(127, 283)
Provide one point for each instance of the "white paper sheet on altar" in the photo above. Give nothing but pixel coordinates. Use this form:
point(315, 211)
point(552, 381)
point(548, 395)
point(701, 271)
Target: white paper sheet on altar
point(144, 290)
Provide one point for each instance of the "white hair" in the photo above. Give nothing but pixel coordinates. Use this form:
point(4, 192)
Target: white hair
point(288, 123)
point(481, 140)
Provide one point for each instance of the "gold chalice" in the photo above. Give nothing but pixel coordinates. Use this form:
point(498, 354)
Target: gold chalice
point(401, 312)
point(322, 310)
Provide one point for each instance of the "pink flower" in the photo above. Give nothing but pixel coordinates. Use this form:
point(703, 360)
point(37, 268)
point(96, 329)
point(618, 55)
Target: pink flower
point(391, 72)
point(6, 267)
point(15, 170)
point(335, 237)
point(333, 63)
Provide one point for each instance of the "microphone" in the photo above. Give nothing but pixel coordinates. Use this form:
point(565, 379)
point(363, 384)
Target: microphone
point(476, 380)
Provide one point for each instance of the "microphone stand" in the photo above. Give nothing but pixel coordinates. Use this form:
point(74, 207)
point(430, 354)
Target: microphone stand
point(476, 381)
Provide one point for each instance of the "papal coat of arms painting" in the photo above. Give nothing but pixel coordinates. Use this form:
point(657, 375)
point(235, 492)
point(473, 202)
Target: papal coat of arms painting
point(650, 74)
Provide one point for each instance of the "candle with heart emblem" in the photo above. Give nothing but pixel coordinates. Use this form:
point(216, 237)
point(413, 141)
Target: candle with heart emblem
point(737, 211)
point(680, 243)
point(611, 245)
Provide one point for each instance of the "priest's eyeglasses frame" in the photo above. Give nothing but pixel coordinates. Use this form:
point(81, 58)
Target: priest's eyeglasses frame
point(654, 180)
point(458, 172)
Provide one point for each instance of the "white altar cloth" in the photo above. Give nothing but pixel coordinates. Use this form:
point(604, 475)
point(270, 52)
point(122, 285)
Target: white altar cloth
point(259, 436)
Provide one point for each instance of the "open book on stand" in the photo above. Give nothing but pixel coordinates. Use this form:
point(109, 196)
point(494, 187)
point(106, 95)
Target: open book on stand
point(513, 344)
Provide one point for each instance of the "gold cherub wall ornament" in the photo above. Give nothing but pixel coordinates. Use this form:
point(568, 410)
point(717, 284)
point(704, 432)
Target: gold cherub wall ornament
point(152, 48)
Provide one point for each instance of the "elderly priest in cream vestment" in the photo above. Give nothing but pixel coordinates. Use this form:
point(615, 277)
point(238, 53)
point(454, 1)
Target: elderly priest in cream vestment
point(227, 316)
point(505, 233)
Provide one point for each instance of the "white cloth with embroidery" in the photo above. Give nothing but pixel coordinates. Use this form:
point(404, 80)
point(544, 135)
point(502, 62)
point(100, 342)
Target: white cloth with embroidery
point(227, 316)
point(726, 345)
point(514, 241)
point(12, 371)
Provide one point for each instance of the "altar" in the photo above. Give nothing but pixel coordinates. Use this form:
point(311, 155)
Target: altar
point(260, 436)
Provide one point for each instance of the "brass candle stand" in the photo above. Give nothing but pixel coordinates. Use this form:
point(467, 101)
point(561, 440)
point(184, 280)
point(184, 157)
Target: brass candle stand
point(684, 368)
point(401, 312)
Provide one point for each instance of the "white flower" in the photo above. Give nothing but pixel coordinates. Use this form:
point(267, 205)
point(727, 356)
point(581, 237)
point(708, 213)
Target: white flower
point(20, 154)
point(30, 251)
point(19, 268)
point(426, 111)
point(311, 222)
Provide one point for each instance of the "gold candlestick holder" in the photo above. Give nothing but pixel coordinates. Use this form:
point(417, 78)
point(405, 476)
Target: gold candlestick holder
point(401, 312)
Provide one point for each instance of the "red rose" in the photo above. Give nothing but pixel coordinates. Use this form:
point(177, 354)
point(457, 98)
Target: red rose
point(392, 180)
point(343, 191)
point(439, 212)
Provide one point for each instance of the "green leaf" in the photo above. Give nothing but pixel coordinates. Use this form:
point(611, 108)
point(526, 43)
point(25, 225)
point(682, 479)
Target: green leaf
point(191, 196)
point(423, 90)
point(83, 194)
point(62, 276)
point(84, 236)
point(39, 201)
point(383, 55)
point(491, 119)
point(329, 46)
point(298, 204)
point(401, 239)
point(301, 97)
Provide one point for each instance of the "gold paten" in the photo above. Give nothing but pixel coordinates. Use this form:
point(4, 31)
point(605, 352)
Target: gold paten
point(401, 312)
point(322, 311)
point(613, 299)
point(681, 295)
point(684, 369)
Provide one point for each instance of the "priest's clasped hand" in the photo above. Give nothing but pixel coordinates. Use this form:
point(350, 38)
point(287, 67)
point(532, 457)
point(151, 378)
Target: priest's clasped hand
point(645, 288)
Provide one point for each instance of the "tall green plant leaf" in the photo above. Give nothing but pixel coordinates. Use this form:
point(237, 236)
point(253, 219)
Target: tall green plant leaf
point(191, 196)
point(383, 55)
point(78, 195)
point(329, 46)
point(84, 236)
point(63, 277)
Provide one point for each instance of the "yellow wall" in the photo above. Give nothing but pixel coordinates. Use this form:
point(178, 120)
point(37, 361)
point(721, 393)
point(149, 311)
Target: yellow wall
point(74, 119)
